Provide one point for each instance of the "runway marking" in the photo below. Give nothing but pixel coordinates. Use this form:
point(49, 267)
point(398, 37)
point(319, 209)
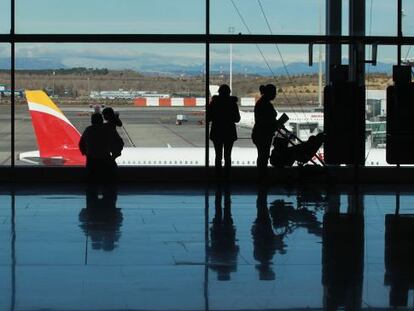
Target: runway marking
point(127, 135)
point(179, 135)
point(6, 160)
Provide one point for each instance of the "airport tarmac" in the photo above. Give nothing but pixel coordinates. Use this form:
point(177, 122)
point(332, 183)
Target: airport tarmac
point(142, 127)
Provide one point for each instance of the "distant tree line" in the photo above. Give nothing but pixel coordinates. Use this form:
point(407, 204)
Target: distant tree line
point(64, 71)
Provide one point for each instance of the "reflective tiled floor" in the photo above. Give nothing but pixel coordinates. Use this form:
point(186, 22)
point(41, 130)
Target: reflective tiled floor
point(187, 248)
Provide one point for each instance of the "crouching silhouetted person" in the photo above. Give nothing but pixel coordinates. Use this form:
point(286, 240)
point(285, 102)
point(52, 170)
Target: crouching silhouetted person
point(223, 113)
point(99, 143)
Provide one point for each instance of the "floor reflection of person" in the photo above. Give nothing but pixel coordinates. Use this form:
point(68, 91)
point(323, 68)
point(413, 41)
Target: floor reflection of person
point(101, 220)
point(223, 250)
point(399, 258)
point(343, 261)
point(265, 242)
point(223, 113)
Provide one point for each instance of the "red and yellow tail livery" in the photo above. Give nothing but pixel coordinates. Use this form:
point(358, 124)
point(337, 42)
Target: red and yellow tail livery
point(56, 137)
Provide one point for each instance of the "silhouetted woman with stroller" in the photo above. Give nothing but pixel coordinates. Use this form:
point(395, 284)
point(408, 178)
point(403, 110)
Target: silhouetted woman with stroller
point(223, 113)
point(264, 127)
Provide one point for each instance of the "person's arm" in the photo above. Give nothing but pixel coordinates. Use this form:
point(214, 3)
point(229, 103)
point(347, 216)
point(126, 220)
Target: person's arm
point(236, 114)
point(117, 144)
point(82, 143)
point(210, 110)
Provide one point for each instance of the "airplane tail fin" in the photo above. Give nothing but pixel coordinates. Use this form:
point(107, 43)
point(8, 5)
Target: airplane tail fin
point(56, 137)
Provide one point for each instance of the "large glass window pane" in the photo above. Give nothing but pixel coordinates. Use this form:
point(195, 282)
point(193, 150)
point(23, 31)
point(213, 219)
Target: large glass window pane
point(267, 16)
point(5, 17)
point(378, 78)
point(158, 91)
point(111, 16)
point(408, 14)
point(381, 18)
point(285, 66)
point(5, 94)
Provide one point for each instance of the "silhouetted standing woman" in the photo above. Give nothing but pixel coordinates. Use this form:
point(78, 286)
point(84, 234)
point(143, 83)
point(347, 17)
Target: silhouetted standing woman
point(223, 113)
point(264, 128)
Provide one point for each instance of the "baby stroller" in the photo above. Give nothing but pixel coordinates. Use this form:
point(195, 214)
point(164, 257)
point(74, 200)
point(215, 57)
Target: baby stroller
point(284, 155)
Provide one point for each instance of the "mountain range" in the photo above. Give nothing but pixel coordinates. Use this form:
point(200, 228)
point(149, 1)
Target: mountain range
point(294, 68)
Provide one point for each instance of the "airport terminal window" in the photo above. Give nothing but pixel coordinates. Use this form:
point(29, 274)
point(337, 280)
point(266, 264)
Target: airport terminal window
point(5, 105)
point(286, 66)
point(157, 89)
point(110, 16)
point(251, 17)
point(75, 74)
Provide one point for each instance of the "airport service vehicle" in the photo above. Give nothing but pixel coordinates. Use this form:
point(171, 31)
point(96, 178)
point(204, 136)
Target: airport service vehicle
point(58, 139)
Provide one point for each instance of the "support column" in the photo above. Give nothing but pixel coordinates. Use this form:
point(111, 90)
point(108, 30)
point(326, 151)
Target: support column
point(357, 51)
point(333, 28)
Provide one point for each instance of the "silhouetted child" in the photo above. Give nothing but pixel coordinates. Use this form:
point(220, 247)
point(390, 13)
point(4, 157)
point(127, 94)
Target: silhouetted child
point(223, 113)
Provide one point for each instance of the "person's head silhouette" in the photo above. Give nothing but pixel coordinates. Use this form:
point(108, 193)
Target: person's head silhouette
point(110, 116)
point(96, 119)
point(268, 91)
point(224, 90)
point(262, 89)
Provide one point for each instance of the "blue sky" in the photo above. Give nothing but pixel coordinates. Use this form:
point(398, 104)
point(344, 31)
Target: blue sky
point(183, 16)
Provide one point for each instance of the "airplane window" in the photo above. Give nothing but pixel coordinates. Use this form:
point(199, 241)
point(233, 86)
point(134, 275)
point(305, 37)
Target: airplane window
point(185, 162)
point(237, 162)
point(181, 162)
point(175, 162)
point(196, 162)
point(144, 162)
point(232, 162)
